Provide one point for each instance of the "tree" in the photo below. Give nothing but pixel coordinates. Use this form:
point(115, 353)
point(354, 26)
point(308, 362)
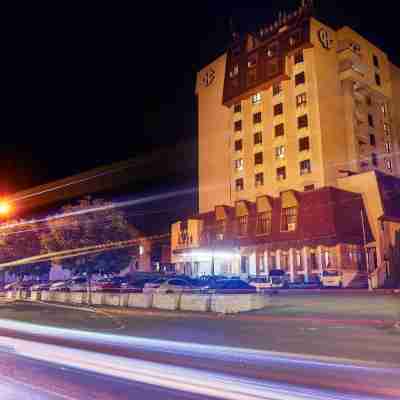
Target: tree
point(90, 223)
point(19, 240)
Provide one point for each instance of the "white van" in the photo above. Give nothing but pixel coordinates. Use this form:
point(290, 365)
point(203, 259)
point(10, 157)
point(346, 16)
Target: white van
point(332, 278)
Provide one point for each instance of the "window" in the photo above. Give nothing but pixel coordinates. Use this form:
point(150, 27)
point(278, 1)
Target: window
point(388, 164)
point(284, 260)
point(309, 188)
point(372, 140)
point(242, 224)
point(276, 89)
point(261, 262)
point(384, 108)
point(299, 79)
point(298, 261)
point(239, 164)
point(313, 260)
point(272, 67)
point(295, 39)
point(368, 100)
point(289, 219)
point(272, 259)
point(374, 159)
point(279, 130)
point(281, 173)
point(252, 61)
point(238, 145)
point(264, 223)
point(278, 109)
point(256, 98)
point(238, 126)
point(298, 57)
point(378, 79)
point(301, 100)
point(305, 167)
point(304, 144)
point(237, 108)
point(370, 120)
point(386, 128)
point(375, 61)
point(280, 152)
point(302, 121)
point(239, 184)
point(234, 71)
point(236, 50)
point(244, 264)
point(272, 50)
point(257, 118)
point(259, 179)
point(388, 147)
point(258, 158)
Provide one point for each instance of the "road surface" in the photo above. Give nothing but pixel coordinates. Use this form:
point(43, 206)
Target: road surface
point(41, 362)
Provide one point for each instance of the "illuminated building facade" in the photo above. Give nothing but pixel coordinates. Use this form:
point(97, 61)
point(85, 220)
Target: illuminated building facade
point(286, 113)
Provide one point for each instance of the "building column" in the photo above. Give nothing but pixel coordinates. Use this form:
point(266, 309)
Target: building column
point(252, 264)
point(319, 258)
point(305, 251)
point(278, 259)
point(292, 272)
point(266, 262)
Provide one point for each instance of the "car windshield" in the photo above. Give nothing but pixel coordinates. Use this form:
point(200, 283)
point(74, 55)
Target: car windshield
point(330, 273)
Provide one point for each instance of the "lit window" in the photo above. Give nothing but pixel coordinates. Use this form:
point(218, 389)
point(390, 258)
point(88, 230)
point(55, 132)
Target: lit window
point(258, 138)
point(238, 145)
point(272, 50)
point(278, 109)
point(301, 100)
point(239, 164)
point(276, 89)
point(378, 79)
point(141, 250)
point(239, 184)
point(259, 179)
point(289, 219)
point(258, 158)
point(281, 173)
point(298, 57)
point(257, 118)
point(256, 98)
point(252, 61)
point(386, 128)
point(238, 126)
point(302, 121)
point(284, 260)
point(313, 260)
point(299, 79)
point(304, 143)
point(384, 108)
point(237, 108)
point(388, 147)
point(242, 225)
point(264, 223)
point(298, 261)
point(305, 167)
point(234, 71)
point(280, 152)
point(388, 164)
point(279, 130)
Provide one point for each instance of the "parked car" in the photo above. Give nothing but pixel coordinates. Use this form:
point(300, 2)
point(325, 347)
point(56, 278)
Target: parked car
point(43, 286)
point(176, 285)
point(278, 278)
point(260, 283)
point(11, 285)
point(109, 284)
point(232, 286)
point(332, 278)
point(78, 284)
point(59, 286)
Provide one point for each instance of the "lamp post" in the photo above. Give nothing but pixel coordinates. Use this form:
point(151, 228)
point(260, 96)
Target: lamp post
point(5, 209)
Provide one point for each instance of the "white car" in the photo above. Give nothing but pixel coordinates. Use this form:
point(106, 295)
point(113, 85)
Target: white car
point(332, 278)
point(260, 283)
point(175, 285)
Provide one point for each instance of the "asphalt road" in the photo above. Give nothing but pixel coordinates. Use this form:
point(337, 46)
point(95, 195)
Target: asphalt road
point(38, 362)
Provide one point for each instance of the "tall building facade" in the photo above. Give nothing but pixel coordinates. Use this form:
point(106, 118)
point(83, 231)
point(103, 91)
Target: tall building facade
point(298, 157)
point(293, 106)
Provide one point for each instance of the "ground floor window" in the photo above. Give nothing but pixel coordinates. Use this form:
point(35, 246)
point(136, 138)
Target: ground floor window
point(298, 261)
point(284, 260)
point(261, 263)
point(313, 260)
point(244, 264)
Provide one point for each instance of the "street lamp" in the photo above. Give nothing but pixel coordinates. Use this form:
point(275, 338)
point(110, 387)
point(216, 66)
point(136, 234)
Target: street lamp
point(5, 208)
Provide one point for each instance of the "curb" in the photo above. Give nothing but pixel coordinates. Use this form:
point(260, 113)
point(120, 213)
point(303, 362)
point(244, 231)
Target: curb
point(59, 305)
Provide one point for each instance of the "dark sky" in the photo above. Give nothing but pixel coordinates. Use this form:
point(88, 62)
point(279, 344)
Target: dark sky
point(87, 85)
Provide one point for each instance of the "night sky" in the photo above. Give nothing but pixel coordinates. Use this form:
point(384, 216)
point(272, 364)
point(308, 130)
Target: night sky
point(87, 85)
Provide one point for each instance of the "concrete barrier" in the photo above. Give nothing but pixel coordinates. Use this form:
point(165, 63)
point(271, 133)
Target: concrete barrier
point(36, 295)
point(195, 302)
point(233, 303)
point(140, 300)
point(124, 298)
point(165, 301)
point(45, 295)
point(21, 294)
point(11, 294)
point(61, 297)
point(97, 298)
point(78, 297)
point(111, 299)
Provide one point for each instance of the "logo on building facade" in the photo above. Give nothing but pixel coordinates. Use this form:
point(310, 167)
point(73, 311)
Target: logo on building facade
point(209, 77)
point(325, 39)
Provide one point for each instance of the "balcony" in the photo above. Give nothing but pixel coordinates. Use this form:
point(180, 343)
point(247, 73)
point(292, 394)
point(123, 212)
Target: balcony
point(351, 66)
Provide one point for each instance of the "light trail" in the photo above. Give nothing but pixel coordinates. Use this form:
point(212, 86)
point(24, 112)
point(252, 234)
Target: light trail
point(219, 385)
